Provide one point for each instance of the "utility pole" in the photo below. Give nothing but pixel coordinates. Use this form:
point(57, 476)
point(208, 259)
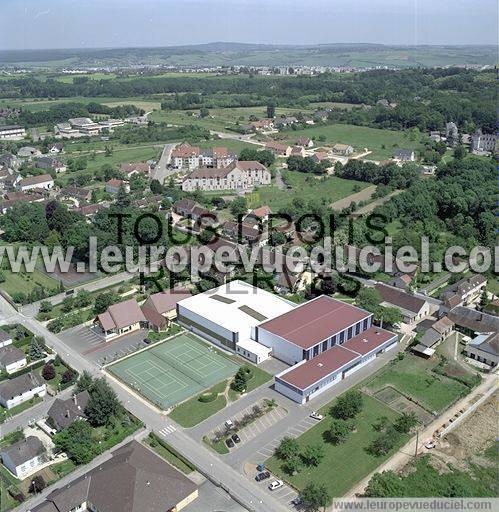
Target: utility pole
point(417, 442)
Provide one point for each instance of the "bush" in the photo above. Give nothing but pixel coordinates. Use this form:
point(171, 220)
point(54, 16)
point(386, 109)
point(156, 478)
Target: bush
point(207, 397)
point(48, 372)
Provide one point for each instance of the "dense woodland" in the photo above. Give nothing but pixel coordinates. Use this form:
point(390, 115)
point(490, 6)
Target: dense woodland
point(424, 98)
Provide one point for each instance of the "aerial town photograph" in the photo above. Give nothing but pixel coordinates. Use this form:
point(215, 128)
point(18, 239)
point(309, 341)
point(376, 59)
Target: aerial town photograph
point(248, 255)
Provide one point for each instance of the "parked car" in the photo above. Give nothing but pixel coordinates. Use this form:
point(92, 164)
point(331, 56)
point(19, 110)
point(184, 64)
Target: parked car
point(262, 476)
point(297, 501)
point(236, 438)
point(229, 442)
point(316, 416)
point(229, 424)
point(276, 484)
point(147, 341)
point(429, 445)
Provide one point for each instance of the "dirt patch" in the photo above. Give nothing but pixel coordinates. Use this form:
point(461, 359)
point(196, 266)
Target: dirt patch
point(474, 434)
point(363, 195)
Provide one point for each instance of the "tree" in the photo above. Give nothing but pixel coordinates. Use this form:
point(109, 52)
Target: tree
point(241, 378)
point(204, 112)
point(384, 485)
point(347, 405)
point(35, 350)
point(315, 496)
point(103, 301)
point(368, 298)
point(384, 442)
point(239, 206)
point(48, 372)
point(68, 376)
point(84, 382)
point(45, 306)
point(460, 152)
point(271, 110)
point(156, 187)
point(37, 484)
point(292, 464)
point(484, 300)
point(338, 431)
point(313, 454)
point(103, 403)
point(77, 441)
point(287, 448)
point(277, 238)
point(406, 422)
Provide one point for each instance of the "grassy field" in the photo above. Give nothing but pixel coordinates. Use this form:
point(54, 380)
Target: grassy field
point(413, 376)
point(165, 451)
point(345, 464)
point(380, 142)
point(25, 283)
point(306, 187)
point(193, 411)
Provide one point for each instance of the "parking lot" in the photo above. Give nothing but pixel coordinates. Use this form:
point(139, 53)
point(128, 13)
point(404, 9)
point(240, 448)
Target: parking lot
point(268, 450)
point(91, 344)
point(284, 494)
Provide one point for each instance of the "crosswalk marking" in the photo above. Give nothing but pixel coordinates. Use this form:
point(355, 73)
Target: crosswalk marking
point(169, 429)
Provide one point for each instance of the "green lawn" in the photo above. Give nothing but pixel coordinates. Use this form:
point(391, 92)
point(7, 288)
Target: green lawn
point(413, 376)
point(345, 464)
point(168, 453)
point(306, 187)
point(25, 283)
point(259, 377)
point(192, 411)
point(380, 142)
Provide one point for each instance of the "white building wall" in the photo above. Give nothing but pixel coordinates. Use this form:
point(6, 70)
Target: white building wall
point(16, 365)
point(284, 390)
point(40, 391)
point(281, 349)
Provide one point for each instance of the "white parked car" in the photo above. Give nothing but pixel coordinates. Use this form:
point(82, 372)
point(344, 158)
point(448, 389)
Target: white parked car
point(429, 445)
point(229, 424)
point(276, 484)
point(316, 416)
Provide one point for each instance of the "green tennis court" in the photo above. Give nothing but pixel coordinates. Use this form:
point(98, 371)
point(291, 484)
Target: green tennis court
point(175, 370)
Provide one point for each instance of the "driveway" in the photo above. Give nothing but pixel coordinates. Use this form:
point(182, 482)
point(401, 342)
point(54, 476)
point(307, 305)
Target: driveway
point(161, 171)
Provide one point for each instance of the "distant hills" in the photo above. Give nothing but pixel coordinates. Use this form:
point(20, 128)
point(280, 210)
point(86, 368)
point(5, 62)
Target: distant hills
point(247, 54)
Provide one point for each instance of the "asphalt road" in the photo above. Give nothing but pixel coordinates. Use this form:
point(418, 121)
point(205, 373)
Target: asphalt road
point(161, 171)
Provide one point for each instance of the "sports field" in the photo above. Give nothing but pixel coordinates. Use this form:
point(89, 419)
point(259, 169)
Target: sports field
point(174, 370)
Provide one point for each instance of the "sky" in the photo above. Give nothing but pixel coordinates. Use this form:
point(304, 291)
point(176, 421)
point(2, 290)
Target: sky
point(31, 24)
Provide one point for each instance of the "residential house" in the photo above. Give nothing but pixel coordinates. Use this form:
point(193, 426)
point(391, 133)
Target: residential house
point(40, 182)
point(55, 149)
point(452, 133)
point(134, 479)
point(161, 308)
point(321, 115)
point(282, 122)
point(76, 194)
point(320, 156)
point(63, 413)
point(24, 457)
point(438, 332)
point(306, 142)
point(10, 161)
point(260, 214)
point(401, 281)
point(89, 210)
point(404, 155)
point(48, 162)
point(131, 168)
point(278, 149)
point(298, 151)
point(483, 141)
point(484, 348)
point(21, 389)
point(470, 321)
point(12, 132)
point(245, 233)
point(463, 293)
point(121, 318)
point(12, 359)
point(242, 175)
point(342, 149)
point(114, 184)
point(413, 308)
point(5, 338)
point(261, 125)
point(13, 198)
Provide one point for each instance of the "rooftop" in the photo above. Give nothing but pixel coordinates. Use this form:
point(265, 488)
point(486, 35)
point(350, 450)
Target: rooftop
point(237, 306)
point(24, 450)
point(121, 315)
point(316, 320)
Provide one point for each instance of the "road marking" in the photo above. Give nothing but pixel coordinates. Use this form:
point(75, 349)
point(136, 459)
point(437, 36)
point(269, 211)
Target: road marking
point(169, 429)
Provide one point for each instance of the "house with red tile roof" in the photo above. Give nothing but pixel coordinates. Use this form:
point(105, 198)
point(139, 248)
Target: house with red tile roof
point(121, 318)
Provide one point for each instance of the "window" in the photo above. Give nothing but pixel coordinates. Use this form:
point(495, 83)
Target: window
point(316, 350)
point(324, 346)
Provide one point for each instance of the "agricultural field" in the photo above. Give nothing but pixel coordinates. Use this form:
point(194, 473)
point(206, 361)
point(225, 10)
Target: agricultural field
point(306, 187)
